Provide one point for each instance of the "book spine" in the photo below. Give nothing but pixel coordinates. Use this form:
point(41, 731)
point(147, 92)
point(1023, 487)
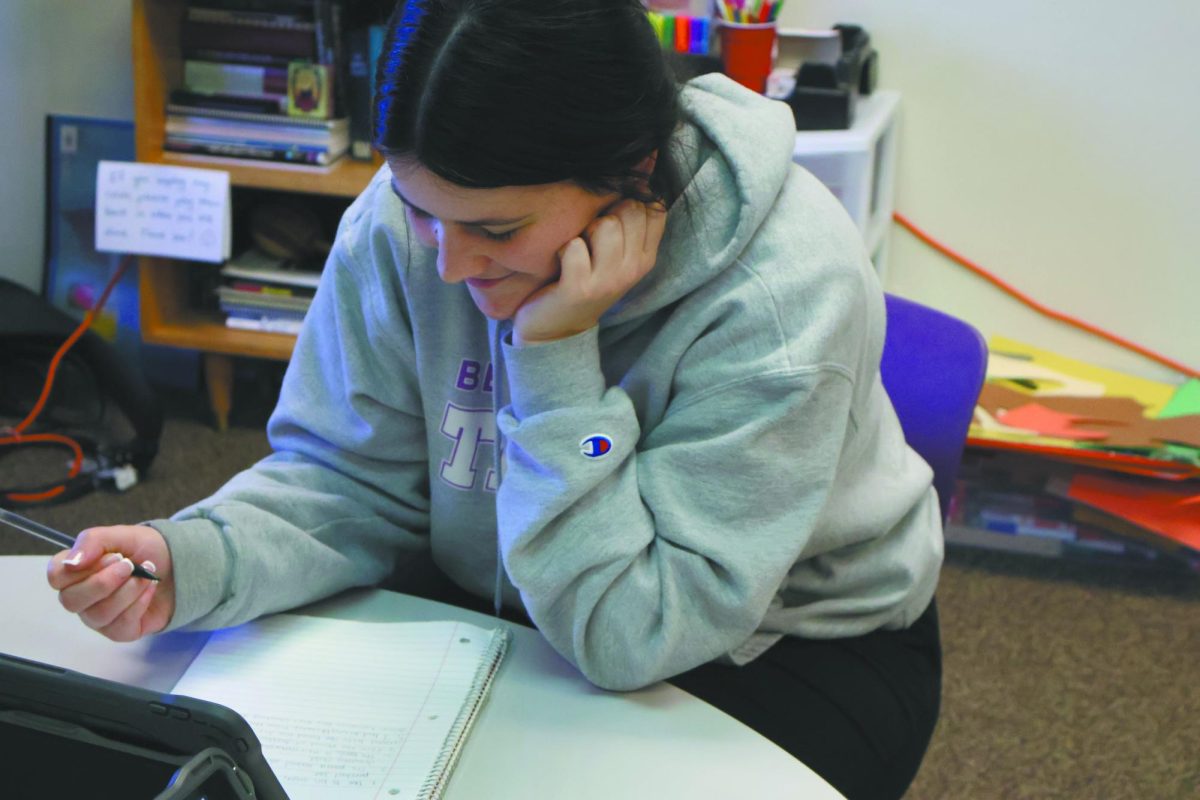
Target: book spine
point(358, 75)
point(200, 109)
point(340, 69)
point(233, 129)
point(323, 30)
point(247, 151)
point(245, 80)
point(287, 42)
point(227, 56)
point(269, 289)
point(258, 299)
point(301, 8)
point(237, 16)
point(191, 102)
point(197, 103)
point(376, 34)
point(300, 148)
point(267, 325)
point(248, 311)
point(327, 17)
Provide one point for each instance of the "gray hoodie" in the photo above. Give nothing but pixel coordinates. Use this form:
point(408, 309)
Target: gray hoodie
point(714, 466)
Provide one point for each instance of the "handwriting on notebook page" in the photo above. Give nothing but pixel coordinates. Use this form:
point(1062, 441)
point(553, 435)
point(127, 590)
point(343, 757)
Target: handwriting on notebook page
point(343, 709)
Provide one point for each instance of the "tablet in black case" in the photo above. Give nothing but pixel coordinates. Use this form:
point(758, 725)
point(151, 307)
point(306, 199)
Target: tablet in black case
point(66, 734)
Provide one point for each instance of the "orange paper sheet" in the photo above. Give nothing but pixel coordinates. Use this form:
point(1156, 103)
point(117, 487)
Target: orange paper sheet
point(1168, 509)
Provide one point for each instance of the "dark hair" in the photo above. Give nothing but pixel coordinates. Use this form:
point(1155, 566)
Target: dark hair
point(488, 93)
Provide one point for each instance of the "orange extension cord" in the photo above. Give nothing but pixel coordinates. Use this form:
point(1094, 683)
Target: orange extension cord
point(1038, 307)
point(17, 436)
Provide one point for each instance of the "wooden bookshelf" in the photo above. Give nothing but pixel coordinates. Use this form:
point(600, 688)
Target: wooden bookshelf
point(167, 318)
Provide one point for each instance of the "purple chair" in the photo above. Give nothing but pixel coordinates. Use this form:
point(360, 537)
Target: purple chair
point(933, 369)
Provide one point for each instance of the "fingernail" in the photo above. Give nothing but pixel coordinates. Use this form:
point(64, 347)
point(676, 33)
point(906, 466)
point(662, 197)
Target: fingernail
point(75, 559)
point(148, 565)
point(111, 558)
point(127, 566)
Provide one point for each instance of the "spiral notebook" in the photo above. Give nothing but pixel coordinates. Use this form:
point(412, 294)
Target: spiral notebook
point(347, 709)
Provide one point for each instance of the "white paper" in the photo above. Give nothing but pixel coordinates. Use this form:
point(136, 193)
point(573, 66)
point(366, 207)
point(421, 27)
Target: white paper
point(343, 709)
point(1051, 382)
point(161, 210)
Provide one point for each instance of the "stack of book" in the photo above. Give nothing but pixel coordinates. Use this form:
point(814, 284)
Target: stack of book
point(261, 80)
point(263, 293)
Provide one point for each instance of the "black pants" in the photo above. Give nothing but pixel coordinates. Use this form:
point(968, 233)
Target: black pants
point(858, 711)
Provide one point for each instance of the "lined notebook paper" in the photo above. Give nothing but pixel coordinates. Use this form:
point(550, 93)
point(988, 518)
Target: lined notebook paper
point(348, 710)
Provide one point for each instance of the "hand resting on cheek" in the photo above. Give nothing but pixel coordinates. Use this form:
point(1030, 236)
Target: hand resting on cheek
point(613, 253)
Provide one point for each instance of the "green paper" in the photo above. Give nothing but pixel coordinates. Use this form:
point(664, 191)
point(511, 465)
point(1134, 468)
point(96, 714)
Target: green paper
point(1186, 400)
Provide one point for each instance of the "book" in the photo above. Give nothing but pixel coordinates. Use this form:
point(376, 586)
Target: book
point(234, 311)
point(363, 47)
point(238, 130)
point(228, 56)
point(302, 8)
point(331, 51)
point(256, 136)
point(265, 324)
point(259, 300)
point(290, 154)
point(348, 709)
point(336, 125)
point(184, 101)
point(280, 34)
point(255, 265)
point(299, 16)
point(271, 289)
point(276, 41)
point(238, 80)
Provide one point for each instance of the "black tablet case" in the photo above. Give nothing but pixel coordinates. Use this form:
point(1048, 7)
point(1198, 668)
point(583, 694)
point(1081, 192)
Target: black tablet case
point(67, 734)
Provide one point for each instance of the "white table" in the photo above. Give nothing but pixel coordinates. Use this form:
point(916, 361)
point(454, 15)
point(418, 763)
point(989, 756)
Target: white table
point(544, 731)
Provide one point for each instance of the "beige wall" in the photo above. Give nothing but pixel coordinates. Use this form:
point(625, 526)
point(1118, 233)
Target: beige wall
point(1057, 144)
point(62, 57)
point(1052, 142)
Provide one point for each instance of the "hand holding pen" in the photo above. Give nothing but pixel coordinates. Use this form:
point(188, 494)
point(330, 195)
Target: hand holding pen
point(95, 579)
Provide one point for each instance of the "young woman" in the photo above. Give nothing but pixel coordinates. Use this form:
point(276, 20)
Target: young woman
point(592, 348)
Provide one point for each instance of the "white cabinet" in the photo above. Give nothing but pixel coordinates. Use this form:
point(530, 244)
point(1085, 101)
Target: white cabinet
point(859, 167)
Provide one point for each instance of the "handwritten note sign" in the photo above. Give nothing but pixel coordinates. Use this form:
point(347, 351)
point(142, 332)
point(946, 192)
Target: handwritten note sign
point(159, 210)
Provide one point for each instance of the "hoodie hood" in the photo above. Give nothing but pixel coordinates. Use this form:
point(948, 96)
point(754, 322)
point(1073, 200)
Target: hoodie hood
point(733, 152)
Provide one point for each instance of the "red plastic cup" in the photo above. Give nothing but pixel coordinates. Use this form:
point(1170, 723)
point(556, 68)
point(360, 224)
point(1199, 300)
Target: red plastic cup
point(748, 52)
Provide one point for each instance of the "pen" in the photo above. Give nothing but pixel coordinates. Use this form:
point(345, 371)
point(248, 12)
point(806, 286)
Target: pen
point(56, 537)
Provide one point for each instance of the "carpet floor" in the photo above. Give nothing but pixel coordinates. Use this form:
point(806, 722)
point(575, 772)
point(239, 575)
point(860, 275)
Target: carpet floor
point(1063, 679)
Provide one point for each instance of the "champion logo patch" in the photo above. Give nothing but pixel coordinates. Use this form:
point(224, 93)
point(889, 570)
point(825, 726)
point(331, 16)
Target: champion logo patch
point(596, 445)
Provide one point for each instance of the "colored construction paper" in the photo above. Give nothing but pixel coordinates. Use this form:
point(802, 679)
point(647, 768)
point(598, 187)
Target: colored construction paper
point(1149, 434)
point(1048, 422)
point(1186, 400)
point(1170, 509)
point(997, 397)
point(1047, 380)
point(1152, 394)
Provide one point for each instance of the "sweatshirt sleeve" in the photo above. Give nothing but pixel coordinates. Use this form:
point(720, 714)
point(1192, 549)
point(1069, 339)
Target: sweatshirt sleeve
point(666, 551)
point(344, 495)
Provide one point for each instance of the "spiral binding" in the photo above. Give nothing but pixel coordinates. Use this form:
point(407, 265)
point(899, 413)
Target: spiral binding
point(439, 775)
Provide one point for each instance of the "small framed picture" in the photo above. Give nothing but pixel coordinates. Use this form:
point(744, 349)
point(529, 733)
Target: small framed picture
point(310, 90)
